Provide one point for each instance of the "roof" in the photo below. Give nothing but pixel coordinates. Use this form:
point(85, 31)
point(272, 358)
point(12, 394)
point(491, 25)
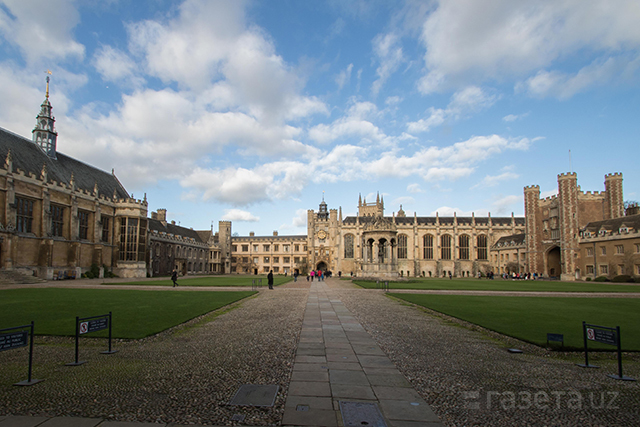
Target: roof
point(630, 222)
point(512, 240)
point(444, 220)
point(29, 157)
point(176, 230)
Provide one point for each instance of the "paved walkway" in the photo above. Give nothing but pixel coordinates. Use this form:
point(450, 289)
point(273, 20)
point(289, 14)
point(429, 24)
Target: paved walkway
point(337, 361)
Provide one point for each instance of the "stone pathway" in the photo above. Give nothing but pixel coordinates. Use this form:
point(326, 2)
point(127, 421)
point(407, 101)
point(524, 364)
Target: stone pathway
point(338, 361)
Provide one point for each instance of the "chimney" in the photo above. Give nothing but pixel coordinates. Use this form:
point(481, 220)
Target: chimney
point(252, 234)
point(162, 215)
point(275, 233)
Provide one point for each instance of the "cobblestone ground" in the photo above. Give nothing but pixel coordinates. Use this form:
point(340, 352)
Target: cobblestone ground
point(186, 375)
point(467, 376)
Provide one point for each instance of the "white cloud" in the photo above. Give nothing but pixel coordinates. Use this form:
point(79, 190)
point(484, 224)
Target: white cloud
point(549, 193)
point(493, 180)
point(513, 117)
point(239, 215)
point(300, 219)
point(114, 64)
point(468, 100)
point(469, 41)
point(41, 28)
point(506, 204)
point(389, 53)
point(344, 77)
point(414, 188)
point(405, 200)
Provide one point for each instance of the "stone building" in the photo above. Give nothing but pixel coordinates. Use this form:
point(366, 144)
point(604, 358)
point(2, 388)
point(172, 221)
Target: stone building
point(373, 245)
point(508, 254)
point(553, 223)
point(611, 247)
point(58, 215)
point(186, 250)
point(259, 254)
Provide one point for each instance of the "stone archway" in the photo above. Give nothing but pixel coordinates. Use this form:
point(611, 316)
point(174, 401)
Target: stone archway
point(322, 266)
point(554, 268)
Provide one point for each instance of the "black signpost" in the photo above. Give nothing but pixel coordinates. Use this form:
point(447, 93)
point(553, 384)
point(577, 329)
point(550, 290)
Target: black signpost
point(87, 325)
point(604, 335)
point(17, 337)
point(556, 338)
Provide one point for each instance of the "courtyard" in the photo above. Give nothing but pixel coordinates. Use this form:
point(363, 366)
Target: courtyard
point(322, 343)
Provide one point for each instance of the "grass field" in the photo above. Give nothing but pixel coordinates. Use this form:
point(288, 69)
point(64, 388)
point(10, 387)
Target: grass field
point(136, 314)
point(531, 318)
point(208, 281)
point(503, 285)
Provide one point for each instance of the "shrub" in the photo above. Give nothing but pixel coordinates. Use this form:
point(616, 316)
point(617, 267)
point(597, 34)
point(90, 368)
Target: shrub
point(601, 279)
point(588, 279)
point(623, 278)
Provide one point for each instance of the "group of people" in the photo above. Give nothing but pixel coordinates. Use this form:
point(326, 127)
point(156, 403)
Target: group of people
point(319, 274)
point(512, 276)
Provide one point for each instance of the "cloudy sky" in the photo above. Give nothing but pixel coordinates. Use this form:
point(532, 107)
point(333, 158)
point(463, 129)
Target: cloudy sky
point(249, 110)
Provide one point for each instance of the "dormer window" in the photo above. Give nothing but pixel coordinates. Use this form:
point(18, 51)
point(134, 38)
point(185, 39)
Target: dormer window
point(623, 229)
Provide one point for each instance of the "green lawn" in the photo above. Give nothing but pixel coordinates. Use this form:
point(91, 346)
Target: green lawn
point(136, 314)
point(531, 318)
point(504, 285)
point(208, 281)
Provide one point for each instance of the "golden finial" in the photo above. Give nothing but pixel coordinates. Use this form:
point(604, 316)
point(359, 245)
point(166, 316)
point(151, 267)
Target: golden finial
point(49, 73)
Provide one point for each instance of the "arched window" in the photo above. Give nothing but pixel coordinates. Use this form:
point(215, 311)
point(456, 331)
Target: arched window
point(402, 246)
point(427, 246)
point(463, 245)
point(445, 246)
point(348, 246)
point(482, 247)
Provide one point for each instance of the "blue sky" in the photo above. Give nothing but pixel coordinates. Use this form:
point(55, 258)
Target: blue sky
point(249, 110)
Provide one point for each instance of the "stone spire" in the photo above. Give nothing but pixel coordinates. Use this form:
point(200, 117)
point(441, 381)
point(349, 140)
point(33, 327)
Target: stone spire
point(44, 134)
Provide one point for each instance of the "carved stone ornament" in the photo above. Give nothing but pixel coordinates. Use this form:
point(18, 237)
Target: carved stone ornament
point(1, 227)
point(11, 227)
point(380, 224)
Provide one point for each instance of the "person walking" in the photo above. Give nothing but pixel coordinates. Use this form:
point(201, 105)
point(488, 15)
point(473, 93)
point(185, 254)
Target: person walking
point(270, 279)
point(174, 278)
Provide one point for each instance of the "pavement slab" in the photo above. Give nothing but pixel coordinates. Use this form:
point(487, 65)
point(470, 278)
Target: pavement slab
point(347, 365)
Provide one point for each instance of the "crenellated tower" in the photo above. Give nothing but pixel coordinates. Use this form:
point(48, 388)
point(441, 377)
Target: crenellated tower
point(568, 214)
point(614, 197)
point(532, 230)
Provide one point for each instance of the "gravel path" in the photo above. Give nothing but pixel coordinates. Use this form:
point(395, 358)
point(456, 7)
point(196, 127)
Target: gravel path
point(469, 379)
point(185, 375)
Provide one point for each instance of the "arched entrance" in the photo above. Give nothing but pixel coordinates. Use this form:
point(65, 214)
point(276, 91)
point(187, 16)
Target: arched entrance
point(322, 266)
point(553, 262)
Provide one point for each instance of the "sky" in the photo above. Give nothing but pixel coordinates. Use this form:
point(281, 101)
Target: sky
point(253, 111)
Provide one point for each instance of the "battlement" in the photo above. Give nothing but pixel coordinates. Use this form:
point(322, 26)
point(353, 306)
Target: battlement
point(598, 194)
point(615, 175)
point(549, 199)
point(568, 175)
point(532, 188)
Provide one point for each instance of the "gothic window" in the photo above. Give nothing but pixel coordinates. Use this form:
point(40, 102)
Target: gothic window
point(24, 218)
point(83, 224)
point(427, 246)
point(402, 246)
point(348, 246)
point(133, 239)
point(445, 246)
point(105, 228)
point(463, 244)
point(482, 247)
point(57, 220)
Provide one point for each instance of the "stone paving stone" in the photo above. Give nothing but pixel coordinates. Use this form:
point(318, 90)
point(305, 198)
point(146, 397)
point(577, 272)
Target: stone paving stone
point(348, 391)
point(71, 422)
point(22, 421)
point(310, 367)
point(401, 423)
point(348, 377)
point(311, 359)
point(335, 345)
point(368, 350)
point(396, 393)
point(108, 423)
point(312, 402)
point(396, 380)
point(320, 389)
point(376, 361)
point(310, 376)
point(310, 352)
point(401, 410)
point(346, 366)
point(348, 358)
point(372, 370)
point(312, 417)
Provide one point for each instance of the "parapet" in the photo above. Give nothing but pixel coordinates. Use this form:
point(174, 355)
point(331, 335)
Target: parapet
point(532, 188)
point(568, 175)
point(616, 175)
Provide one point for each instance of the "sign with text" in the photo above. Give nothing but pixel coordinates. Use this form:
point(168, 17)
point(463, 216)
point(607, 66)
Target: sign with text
point(13, 340)
point(94, 325)
point(601, 335)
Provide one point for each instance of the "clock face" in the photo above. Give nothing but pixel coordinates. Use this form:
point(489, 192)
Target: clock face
point(322, 235)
